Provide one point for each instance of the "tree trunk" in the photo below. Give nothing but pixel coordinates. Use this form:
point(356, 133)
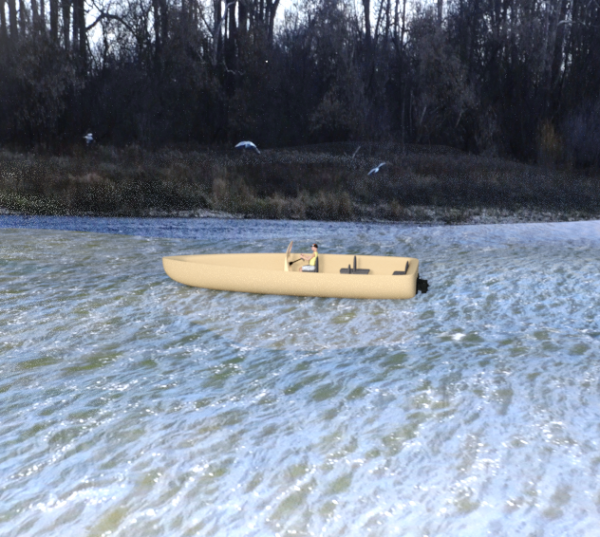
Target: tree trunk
point(553, 12)
point(12, 18)
point(82, 37)
point(242, 18)
point(559, 59)
point(472, 39)
point(79, 35)
point(217, 22)
point(66, 12)
point(272, 6)
point(185, 22)
point(75, 27)
point(157, 30)
point(3, 28)
point(388, 21)
point(35, 16)
point(23, 17)
point(231, 36)
point(164, 21)
point(231, 22)
point(43, 16)
point(367, 10)
point(403, 31)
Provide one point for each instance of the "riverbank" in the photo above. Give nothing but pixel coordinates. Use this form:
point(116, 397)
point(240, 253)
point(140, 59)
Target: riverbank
point(435, 185)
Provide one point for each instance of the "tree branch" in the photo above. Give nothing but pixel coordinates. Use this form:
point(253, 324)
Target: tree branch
point(110, 16)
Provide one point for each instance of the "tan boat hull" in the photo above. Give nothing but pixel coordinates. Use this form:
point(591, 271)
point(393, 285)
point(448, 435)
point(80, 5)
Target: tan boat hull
point(266, 274)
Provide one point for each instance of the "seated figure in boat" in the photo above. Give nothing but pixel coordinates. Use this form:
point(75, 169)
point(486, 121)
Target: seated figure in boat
point(312, 260)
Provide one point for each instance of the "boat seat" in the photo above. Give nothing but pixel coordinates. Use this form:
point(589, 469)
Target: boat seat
point(401, 272)
point(354, 270)
point(350, 270)
point(316, 265)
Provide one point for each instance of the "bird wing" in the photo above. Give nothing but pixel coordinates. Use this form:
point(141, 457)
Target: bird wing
point(247, 143)
point(374, 170)
point(380, 165)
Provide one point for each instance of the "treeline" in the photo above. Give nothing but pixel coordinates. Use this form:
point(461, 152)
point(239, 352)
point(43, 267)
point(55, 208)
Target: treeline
point(517, 78)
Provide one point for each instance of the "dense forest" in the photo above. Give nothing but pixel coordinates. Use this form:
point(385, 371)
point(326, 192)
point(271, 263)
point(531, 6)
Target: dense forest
point(513, 78)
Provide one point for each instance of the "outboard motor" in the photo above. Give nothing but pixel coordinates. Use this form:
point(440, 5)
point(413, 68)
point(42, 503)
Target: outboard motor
point(422, 285)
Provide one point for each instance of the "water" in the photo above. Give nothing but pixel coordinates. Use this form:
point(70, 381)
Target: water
point(134, 406)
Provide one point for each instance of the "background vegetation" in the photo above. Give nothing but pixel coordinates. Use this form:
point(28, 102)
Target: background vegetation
point(511, 79)
point(517, 78)
point(324, 181)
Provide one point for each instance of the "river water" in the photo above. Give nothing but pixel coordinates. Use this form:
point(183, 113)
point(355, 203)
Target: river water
point(134, 406)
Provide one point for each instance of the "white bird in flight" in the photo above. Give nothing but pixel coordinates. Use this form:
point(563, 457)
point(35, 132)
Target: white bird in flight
point(376, 168)
point(88, 138)
point(248, 145)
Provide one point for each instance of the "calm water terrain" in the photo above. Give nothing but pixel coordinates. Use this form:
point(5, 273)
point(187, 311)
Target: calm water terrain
point(131, 405)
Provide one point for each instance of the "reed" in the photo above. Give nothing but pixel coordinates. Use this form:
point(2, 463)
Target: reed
point(323, 182)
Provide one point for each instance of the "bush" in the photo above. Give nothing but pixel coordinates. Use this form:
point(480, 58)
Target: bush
point(318, 182)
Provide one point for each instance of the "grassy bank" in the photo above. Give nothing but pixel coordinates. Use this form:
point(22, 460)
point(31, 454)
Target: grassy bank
point(324, 182)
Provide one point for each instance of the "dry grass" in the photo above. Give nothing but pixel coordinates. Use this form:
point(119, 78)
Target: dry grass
point(324, 182)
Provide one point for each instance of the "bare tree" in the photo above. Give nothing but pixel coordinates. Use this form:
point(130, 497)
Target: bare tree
point(12, 16)
point(3, 26)
point(66, 23)
point(23, 17)
point(54, 20)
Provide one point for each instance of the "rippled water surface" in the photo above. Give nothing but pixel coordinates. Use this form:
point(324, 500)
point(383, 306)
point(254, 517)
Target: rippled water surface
point(134, 406)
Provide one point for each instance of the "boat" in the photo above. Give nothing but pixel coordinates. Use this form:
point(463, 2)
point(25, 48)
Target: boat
point(336, 276)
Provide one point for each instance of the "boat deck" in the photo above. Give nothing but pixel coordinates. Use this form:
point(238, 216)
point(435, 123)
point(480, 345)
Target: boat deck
point(328, 263)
